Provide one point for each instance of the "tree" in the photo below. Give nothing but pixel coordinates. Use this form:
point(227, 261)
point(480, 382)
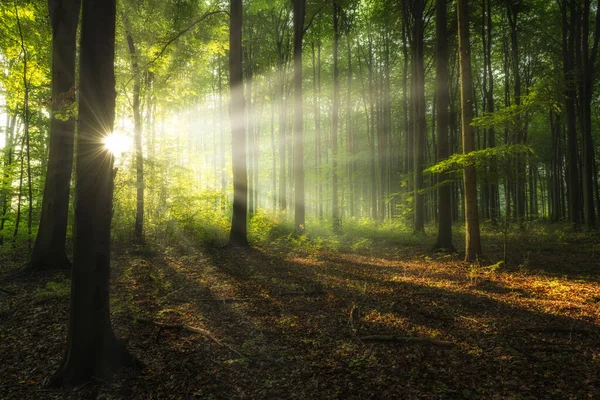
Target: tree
point(472, 237)
point(442, 98)
point(587, 62)
point(238, 235)
point(335, 212)
point(49, 248)
point(138, 231)
point(92, 349)
point(299, 197)
point(418, 110)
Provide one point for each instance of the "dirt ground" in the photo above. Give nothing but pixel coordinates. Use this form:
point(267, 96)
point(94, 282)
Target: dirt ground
point(255, 323)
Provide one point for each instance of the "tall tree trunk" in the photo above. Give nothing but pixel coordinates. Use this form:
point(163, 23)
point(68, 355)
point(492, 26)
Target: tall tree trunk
point(49, 248)
point(419, 122)
point(335, 213)
point(238, 234)
point(282, 127)
point(319, 134)
point(588, 63)
point(274, 160)
point(26, 137)
point(350, 133)
point(472, 238)
point(137, 129)
point(299, 196)
point(92, 349)
point(251, 127)
point(222, 133)
point(444, 237)
point(493, 185)
point(569, 25)
point(513, 11)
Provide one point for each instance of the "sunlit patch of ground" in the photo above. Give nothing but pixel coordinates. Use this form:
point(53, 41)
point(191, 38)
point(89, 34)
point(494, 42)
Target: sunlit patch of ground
point(256, 324)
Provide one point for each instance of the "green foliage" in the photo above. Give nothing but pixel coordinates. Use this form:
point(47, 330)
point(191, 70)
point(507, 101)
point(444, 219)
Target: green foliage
point(493, 156)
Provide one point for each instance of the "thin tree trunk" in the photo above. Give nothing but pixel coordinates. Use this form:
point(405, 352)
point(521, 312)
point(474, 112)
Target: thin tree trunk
point(472, 238)
point(444, 236)
point(299, 196)
point(137, 128)
point(335, 216)
point(419, 122)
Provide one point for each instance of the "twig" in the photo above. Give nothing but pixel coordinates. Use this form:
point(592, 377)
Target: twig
point(405, 340)
point(193, 329)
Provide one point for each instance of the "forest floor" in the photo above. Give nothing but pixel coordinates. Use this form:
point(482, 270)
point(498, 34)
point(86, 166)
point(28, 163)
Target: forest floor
point(396, 322)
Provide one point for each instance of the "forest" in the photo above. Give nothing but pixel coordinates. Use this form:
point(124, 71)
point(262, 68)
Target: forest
point(308, 199)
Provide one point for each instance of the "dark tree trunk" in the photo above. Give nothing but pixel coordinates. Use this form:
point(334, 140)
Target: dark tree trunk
point(238, 235)
point(92, 349)
point(49, 247)
point(588, 64)
point(513, 11)
point(299, 197)
point(444, 237)
point(472, 238)
point(419, 122)
point(568, 41)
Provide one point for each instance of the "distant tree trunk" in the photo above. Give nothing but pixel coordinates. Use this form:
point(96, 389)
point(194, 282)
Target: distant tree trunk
point(444, 237)
point(419, 122)
point(274, 160)
point(238, 235)
point(26, 138)
point(405, 104)
point(282, 127)
point(588, 64)
point(335, 214)
point(137, 128)
point(472, 238)
point(317, 116)
point(92, 349)
point(222, 133)
point(252, 153)
point(8, 161)
point(49, 248)
point(299, 197)
point(513, 10)
point(20, 192)
point(569, 26)
point(493, 185)
point(350, 132)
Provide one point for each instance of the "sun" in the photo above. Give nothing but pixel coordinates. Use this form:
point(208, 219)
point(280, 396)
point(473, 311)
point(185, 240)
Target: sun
point(117, 143)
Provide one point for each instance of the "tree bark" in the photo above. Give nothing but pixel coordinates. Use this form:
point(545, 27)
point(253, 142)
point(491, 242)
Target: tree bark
point(299, 196)
point(444, 236)
point(419, 122)
point(335, 213)
point(238, 235)
point(92, 349)
point(472, 237)
point(49, 248)
point(137, 129)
